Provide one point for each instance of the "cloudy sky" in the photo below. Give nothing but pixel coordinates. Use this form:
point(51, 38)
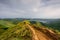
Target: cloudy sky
point(29, 8)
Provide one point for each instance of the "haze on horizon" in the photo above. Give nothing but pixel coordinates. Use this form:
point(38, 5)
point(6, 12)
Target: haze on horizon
point(29, 8)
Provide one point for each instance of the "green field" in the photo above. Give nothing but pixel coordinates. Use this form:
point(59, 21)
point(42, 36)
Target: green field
point(17, 30)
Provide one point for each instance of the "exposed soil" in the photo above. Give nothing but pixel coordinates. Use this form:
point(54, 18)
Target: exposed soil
point(46, 34)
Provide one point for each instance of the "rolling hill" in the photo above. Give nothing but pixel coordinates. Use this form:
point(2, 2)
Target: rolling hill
point(29, 30)
point(4, 25)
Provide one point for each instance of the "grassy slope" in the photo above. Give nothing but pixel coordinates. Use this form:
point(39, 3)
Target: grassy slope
point(54, 26)
point(5, 25)
point(20, 31)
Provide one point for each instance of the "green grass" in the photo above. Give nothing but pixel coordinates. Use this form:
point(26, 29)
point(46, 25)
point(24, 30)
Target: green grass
point(19, 31)
point(5, 24)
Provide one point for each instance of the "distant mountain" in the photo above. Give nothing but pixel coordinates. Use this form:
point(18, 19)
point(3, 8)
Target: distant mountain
point(54, 23)
point(32, 19)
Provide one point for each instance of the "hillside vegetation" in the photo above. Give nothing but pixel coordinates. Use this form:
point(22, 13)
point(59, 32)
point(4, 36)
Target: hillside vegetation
point(4, 25)
point(22, 31)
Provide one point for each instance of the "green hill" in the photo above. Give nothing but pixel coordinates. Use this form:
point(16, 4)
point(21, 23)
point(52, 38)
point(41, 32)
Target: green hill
point(4, 25)
point(20, 31)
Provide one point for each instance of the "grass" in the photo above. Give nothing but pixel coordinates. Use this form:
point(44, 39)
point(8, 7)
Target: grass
point(19, 31)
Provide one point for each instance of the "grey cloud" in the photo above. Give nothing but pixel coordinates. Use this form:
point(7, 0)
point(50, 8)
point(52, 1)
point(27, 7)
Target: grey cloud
point(30, 8)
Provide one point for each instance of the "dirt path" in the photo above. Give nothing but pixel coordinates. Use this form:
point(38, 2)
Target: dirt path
point(39, 35)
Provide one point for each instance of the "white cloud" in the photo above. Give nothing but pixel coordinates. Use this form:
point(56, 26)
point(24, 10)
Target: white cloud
point(35, 9)
point(26, 1)
point(50, 12)
point(30, 8)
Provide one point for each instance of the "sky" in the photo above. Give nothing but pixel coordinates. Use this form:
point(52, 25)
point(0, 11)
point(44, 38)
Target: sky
point(29, 8)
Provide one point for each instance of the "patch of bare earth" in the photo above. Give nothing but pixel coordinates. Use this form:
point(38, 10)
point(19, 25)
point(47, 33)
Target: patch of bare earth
point(41, 35)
